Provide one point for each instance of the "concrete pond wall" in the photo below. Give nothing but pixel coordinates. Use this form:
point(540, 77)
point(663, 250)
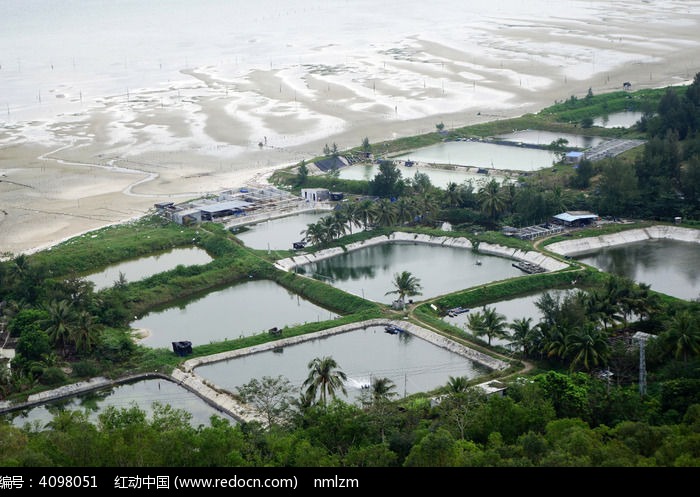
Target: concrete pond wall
point(229, 404)
point(534, 257)
point(226, 402)
point(593, 243)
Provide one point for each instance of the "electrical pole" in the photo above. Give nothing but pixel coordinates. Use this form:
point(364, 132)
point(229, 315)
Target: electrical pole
point(642, 369)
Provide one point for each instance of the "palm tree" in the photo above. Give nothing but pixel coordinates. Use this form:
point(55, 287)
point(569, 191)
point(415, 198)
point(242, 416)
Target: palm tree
point(385, 213)
point(588, 347)
point(59, 324)
point(19, 267)
point(365, 213)
point(339, 222)
point(491, 200)
point(521, 339)
point(427, 206)
point(382, 389)
point(453, 194)
point(406, 285)
point(475, 322)
point(84, 334)
point(406, 210)
point(324, 379)
point(683, 335)
point(331, 229)
point(488, 322)
point(121, 281)
point(314, 234)
point(553, 342)
point(457, 384)
point(352, 215)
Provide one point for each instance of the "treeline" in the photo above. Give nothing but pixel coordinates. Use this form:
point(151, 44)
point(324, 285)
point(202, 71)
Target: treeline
point(549, 420)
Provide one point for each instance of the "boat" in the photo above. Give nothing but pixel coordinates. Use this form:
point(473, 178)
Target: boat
point(456, 311)
point(393, 329)
point(478, 262)
point(528, 267)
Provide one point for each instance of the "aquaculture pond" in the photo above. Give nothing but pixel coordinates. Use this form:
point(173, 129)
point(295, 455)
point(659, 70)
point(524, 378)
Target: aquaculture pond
point(544, 138)
point(411, 363)
point(512, 309)
point(143, 267)
point(668, 266)
point(369, 272)
point(439, 176)
point(482, 154)
point(624, 119)
point(277, 234)
point(142, 394)
point(236, 311)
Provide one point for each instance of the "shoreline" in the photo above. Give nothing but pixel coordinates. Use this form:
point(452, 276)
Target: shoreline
point(111, 162)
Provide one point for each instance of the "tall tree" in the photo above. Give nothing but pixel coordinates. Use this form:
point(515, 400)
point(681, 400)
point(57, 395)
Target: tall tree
point(682, 335)
point(491, 200)
point(488, 322)
point(302, 173)
point(453, 194)
point(457, 384)
point(405, 285)
point(619, 189)
point(59, 324)
point(521, 338)
point(406, 209)
point(271, 396)
point(382, 389)
point(314, 234)
point(387, 182)
point(385, 213)
point(366, 147)
point(587, 347)
point(325, 379)
point(84, 333)
point(365, 213)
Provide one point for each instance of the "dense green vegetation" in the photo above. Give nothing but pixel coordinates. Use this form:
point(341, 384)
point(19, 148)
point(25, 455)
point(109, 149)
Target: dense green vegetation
point(549, 419)
point(564, 409)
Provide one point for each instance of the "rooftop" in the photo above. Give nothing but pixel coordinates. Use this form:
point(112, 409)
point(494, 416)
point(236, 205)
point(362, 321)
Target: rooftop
point(571, 216)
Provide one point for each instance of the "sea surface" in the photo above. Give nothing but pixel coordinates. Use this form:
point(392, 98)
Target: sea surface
point(62, 57)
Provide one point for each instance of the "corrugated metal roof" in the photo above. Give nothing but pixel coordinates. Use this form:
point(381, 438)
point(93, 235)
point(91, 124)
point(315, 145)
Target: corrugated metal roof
point(229, 205)
point(569, 217)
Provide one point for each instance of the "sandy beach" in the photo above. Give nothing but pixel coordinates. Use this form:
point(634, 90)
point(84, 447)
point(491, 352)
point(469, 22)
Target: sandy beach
point(110, 160)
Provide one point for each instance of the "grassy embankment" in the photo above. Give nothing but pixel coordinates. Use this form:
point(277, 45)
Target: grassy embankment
point(233, 262)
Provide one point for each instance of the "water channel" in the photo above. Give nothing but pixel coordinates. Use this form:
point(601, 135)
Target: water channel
point(144, 267)
point(369, 272)
point(239, 310)
point(411, 363)
point(142, 394)
point(668, 266)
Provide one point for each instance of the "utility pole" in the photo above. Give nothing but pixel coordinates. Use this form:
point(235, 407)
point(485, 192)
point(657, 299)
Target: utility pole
point(641, 338)
point(642, 369)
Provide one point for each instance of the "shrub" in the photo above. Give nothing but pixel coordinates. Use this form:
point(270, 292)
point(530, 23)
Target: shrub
point(52, 376)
